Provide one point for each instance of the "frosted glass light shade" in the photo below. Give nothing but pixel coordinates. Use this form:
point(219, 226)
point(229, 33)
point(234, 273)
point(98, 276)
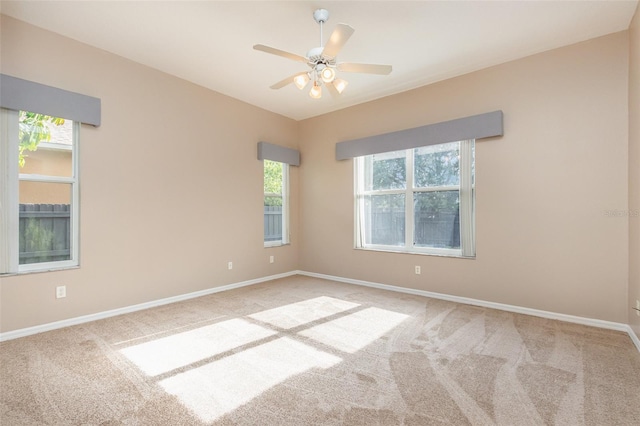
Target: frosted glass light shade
point(328, 74)
point(340, 84)
point(301, 80)
point(316, 91)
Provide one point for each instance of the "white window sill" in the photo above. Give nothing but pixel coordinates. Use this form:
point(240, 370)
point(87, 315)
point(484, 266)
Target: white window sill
point(275, 244)
point(40, 270)
point(426, 252)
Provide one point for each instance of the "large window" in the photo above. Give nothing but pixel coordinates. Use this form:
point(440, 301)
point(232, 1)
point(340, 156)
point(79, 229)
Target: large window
point(420, 200)
point(40, 191)
point(276, 203)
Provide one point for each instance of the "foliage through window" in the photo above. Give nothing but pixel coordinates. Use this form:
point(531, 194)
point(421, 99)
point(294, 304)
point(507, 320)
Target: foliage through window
point(276, 200)
point(41, 190)
point(418, 200)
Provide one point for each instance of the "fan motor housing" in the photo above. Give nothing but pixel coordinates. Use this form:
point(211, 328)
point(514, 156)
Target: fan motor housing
point(315, 57)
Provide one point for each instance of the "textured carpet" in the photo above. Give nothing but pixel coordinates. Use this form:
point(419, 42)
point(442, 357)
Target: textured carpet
point(305, 351)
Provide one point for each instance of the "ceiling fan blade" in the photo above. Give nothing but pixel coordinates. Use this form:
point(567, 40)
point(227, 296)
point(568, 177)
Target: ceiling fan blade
point(279, 52)
point(332, 90)
point(338, 38)
point(286, 81)
point(365, 68)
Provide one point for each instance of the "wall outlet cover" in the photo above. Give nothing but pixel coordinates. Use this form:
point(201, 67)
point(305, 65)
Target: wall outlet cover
point(61, 291)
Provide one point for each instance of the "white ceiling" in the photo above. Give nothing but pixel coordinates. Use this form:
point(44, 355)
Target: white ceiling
point(210, 42)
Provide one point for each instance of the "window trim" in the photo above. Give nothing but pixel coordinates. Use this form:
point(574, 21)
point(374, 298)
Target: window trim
point(285, 208)
point(10, 198)
point(466, 191)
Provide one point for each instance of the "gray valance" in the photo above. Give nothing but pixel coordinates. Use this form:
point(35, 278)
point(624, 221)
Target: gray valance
point(474, 127)
point(268, 151)
point(23, 95)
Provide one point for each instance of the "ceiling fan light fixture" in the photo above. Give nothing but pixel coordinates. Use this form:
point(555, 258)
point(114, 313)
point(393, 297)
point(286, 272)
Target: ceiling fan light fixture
point(301, 81)
point(316, 91)
point(340, 84)
point(328, 74)
point(323, 61)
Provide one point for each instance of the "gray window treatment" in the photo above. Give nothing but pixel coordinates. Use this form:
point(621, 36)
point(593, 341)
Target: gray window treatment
point(268, 151)
point(474, 127)
point(24, 95)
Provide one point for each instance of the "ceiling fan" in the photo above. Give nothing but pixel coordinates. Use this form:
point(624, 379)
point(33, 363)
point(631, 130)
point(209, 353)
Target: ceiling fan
point(322, 61)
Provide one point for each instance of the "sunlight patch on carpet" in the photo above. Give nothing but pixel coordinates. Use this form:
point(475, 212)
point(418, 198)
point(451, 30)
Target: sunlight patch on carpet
point(299, 313)
point(355, 331)
point(218, 388)
point(182, 349)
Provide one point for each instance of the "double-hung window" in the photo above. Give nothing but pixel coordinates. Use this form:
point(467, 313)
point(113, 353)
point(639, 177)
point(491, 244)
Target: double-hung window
point(39, 192)
point(276, 203)
point(418, 200)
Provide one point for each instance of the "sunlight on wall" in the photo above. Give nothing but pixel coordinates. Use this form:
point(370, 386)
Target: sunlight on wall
point(296, 314)
point(220, 387)
point(168, 353)
point(355, 331)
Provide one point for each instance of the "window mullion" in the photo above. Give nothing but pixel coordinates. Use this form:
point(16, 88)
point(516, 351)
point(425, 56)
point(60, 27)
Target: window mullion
point(408, 203)
point(384, 192)
point(46, 178)
point(436, 188)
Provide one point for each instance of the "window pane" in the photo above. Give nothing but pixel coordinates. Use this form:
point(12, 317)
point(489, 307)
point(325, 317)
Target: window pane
point(272, 221)
point(45, 222)
point(437, 165)
point(386, 171)
point(46, 145)
point(385, 219)
point(437, 219)
point(272, 177)
point(273, 173)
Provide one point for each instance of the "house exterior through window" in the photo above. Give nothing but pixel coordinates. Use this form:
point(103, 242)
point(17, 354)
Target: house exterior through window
point(276, 203)
point(40, 190)
point(417, 200)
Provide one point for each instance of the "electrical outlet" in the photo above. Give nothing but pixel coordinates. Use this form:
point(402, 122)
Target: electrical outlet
point(271, 259)
point(61, 291)
point(230, 265)
point(417, 270)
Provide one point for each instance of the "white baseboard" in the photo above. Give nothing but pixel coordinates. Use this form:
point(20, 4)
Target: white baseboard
point(458, 299)
point(634, 338)
point(476, 302)
point(9, 335)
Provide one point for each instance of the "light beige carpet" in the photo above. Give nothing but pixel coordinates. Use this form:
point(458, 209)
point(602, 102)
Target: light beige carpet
point(304, 351)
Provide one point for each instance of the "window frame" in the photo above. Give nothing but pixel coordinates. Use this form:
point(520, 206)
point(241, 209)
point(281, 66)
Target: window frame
point(9, 195)
point(285, 206)
point(465, 189)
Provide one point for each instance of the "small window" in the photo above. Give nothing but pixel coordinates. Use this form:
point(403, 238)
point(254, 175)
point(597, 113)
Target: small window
point(276, 203)
point(41, 192)
point(418, 200)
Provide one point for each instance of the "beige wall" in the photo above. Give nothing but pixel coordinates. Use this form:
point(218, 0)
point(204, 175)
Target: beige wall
point(543, 238)
point(171, 189)
point(634, 170)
